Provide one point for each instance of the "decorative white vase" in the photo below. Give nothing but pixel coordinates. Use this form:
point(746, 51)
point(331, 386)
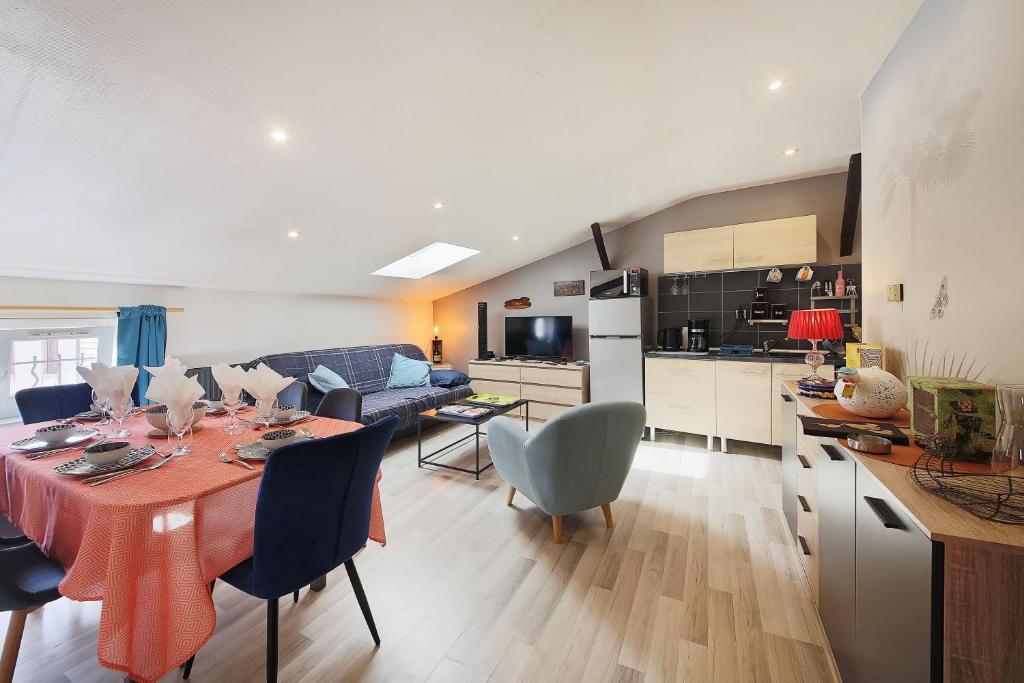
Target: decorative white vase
point(876, 393)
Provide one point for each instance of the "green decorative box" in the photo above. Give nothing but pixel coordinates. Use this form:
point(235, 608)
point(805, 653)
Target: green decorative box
point(957, 408)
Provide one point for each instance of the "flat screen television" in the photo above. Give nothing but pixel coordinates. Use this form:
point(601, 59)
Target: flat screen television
point(539, 336)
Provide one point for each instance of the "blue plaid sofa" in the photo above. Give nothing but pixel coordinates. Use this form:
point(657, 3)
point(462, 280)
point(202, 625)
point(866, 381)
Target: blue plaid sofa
point(366, 368)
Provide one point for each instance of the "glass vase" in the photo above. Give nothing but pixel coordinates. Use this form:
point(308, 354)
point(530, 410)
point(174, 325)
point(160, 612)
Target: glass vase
point(1009, 450)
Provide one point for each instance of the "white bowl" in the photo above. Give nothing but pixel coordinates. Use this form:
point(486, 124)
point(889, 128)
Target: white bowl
point(216, 406)
point(157, 415)
point(278, 438)
point(56, 433)
point(284, 412)
point(106, 452)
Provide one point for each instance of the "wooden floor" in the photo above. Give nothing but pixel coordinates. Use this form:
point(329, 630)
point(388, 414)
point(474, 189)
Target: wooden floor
point(698, 581)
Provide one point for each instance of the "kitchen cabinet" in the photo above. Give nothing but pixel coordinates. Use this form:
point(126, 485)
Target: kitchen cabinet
point(680, 395)
point(837, 533)
point(744, 406)
point(895, 590)
point(786, 241)
point(790, 464)
point(699, 250)
point(780, 373)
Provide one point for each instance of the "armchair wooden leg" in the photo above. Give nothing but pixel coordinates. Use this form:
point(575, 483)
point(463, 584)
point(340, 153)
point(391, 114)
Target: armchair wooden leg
point(511, 495)
point(12, 644)
point(556, 526)
point(607, 510)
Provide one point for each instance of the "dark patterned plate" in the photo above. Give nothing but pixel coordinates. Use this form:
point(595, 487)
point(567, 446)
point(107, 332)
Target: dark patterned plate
point(79, 466)
point(33, 445)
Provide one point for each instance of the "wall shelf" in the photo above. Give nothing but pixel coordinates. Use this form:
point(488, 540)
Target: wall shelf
point(767, 322)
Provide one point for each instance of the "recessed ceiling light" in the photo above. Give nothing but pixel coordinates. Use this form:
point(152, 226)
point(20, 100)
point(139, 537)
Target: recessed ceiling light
point(438, 205)
point(790, 152)
point(515, 238)
point(429, 259)
point(775, 85)
point(293, 233)
point(278, 135)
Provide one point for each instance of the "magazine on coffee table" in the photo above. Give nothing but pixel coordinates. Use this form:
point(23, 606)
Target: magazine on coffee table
point(491, 400)
point(459, 410)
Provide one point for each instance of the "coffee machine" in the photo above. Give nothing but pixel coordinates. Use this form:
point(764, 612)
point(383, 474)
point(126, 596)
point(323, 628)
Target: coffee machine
point(697, 340)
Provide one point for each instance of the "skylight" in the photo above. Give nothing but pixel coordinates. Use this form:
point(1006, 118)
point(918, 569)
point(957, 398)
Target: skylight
point(429, 259)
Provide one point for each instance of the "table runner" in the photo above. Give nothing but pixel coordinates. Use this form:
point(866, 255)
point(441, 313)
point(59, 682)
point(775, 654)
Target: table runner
point(147, 545)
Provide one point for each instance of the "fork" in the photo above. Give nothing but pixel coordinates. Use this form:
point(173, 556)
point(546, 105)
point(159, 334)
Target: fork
point(224, 457)
point(104, 478)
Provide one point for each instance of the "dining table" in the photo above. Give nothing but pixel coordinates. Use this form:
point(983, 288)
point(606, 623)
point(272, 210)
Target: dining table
point(148, 545)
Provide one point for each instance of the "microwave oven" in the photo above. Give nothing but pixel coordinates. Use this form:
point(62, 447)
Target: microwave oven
point(619, 283)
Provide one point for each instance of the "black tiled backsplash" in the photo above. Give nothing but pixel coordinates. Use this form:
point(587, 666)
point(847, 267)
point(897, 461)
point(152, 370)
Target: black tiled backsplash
point(716, 296)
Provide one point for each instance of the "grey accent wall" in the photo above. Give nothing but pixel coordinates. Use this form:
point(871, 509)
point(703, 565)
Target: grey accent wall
point(637, 244)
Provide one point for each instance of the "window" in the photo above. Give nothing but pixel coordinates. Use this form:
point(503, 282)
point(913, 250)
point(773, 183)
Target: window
point(48, 354)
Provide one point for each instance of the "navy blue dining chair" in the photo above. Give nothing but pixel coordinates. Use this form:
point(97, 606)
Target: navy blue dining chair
point(293, 395)
point(312, 516)
point(341, 404)
point(28, 579)
point(9, 533)
point(41, 404)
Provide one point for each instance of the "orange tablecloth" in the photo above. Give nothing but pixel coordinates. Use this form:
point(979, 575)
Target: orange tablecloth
point(147, 545)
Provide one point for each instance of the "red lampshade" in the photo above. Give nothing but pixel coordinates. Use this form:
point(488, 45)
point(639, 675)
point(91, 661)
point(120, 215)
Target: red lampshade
point(818, 323)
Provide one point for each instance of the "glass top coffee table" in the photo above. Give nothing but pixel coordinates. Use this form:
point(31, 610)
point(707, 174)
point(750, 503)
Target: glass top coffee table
point(434, 416)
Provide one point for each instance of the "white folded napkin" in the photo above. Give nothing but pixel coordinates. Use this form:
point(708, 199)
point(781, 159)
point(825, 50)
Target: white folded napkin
point(171, 366)
point(264, 384)
point(173, 389)
point(112, 383)
point(229, 379)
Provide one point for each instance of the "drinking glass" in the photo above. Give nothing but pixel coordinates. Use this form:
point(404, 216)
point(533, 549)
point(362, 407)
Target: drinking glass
point(1009, 450)
point(121, 410)
point(177, 425)
point(232, 404)
point(266, 411)
point(102, 405)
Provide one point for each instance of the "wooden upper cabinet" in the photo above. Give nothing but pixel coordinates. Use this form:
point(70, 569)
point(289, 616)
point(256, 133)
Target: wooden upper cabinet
point(782, 242)
point(699, 250)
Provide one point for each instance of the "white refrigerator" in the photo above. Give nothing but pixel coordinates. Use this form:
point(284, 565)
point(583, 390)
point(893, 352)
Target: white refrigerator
point(619, 331)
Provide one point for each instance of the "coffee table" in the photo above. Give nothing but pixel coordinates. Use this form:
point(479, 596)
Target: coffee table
point(433, 415)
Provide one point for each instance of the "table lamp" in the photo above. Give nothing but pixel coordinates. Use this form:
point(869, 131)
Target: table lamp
point(814, 325)
point(435, 348)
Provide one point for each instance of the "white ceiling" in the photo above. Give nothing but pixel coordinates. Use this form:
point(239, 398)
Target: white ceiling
point(134, 136)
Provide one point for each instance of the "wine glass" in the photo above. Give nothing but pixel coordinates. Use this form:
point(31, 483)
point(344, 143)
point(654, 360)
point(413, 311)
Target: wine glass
point(266, 411)
point(232, 404)
point(177, 424)
point(101, 404)
point(121, 410)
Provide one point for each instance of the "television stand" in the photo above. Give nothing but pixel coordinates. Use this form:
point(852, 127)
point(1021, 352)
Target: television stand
point(549, 388)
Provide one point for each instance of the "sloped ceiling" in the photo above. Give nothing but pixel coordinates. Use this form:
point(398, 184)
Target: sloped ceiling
point(134, 136)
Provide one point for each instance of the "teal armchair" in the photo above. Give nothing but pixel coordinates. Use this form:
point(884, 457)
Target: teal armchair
point(578, 460)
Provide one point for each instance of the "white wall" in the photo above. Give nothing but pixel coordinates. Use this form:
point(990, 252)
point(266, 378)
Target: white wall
point(943, 145)
point(229, 326)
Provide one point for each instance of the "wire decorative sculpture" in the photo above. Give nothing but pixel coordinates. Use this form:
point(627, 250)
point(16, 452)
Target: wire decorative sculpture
point(997, 497)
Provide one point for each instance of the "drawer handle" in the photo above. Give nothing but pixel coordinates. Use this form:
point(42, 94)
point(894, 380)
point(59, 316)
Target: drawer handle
point(787, 398)
point(803, 462)
point(884, 513)
point(803, 546)
point(803, 503)
point(833, 454)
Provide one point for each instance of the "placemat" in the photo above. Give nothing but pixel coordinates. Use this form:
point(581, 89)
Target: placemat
point(836, 412)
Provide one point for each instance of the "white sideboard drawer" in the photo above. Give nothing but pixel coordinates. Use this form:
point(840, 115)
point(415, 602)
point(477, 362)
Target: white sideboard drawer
point(504, 373)
point(559, 377)
point(550, 394)
point(489, 386)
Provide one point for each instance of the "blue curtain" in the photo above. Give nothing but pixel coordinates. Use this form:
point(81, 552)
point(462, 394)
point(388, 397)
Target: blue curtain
point(141, 340)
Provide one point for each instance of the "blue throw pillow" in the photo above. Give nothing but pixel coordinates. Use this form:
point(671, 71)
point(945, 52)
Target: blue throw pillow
point(406, 372)
point(325, 379)
point(448, 378)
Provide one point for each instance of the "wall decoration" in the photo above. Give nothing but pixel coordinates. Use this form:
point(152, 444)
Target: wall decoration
point(941, 301)
point(518, 304)
point(570, 288)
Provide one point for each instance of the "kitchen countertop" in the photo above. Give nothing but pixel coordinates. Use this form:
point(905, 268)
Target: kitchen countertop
point(797, 357)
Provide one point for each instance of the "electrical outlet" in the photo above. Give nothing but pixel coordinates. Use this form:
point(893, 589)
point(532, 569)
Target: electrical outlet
point(741, 314)
point(895, 292)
